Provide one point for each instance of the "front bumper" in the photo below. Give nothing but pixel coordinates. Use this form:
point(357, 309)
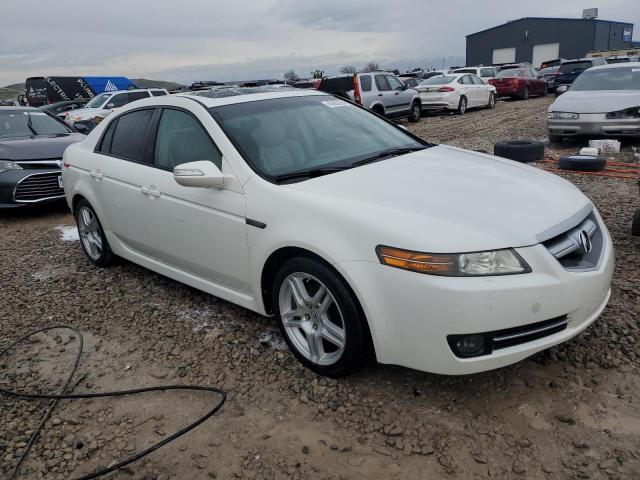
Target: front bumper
point(596, 125)
point(411, 314)
point(37, 186)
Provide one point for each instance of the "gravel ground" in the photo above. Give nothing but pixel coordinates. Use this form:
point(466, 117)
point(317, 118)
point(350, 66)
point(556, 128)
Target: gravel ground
point(569, 412)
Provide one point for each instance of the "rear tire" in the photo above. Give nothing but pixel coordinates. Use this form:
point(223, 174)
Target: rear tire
point(92, 238)
point(526, 93)
point(319, 317)
point(462, 106)
point(378, 111)
point(416, 112)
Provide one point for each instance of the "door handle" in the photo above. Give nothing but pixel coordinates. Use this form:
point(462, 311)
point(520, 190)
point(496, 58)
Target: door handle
point(97, 174)
point(379, 94)
point(150, 190)
point(397, 93)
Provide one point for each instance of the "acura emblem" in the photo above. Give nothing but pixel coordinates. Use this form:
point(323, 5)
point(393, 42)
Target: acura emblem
point(585, 241)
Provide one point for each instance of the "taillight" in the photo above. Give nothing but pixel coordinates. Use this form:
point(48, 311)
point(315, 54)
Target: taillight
point(446, 89)
point(317, 83)
point(356, 90)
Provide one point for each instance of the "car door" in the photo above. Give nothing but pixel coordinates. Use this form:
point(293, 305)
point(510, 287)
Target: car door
point(118, 177)
point(201, 231)
point(402, 97)
point(481, 91)
point(385, 93)
point(465, 86)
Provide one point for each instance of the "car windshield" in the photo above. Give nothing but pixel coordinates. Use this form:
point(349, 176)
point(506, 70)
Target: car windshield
point(439, 80)
point(96, 102)
point(574, 67)
point(620, 78)
point(513, 72)
point(618, 60)
point(283, 136)
point(17, 123)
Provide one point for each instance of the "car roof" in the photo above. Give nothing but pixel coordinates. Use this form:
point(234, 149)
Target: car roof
point(616, 65)
point(134, 90)
point(234, 98)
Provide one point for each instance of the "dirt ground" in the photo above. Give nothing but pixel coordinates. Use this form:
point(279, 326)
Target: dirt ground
point(569, 412)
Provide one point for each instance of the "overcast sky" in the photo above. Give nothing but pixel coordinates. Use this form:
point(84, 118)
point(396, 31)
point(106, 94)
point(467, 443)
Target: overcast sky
point(233, 40)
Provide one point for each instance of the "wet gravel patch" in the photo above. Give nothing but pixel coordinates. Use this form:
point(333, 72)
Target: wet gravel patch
point(569, 412)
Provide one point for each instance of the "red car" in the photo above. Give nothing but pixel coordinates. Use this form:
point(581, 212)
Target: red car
point(519, 82)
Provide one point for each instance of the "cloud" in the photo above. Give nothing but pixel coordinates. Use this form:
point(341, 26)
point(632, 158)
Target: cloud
point(201, 39)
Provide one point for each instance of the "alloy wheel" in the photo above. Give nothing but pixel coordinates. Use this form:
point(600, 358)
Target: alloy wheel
point(89, 231)
point(312, 319)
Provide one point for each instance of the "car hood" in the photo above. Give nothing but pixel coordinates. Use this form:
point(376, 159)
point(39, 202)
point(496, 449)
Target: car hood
point(601, 101)
point(37, 147)
point(450, 200)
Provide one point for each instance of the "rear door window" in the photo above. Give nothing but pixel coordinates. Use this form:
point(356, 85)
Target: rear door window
point(365, 83)
point(476, 80)
point(130, 135)
point(382, 84)
point(138, 95)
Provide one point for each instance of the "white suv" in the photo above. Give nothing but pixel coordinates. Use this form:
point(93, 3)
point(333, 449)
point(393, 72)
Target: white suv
point(103, 104)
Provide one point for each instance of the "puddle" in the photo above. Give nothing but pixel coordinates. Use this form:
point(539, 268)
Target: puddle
point(68, 233)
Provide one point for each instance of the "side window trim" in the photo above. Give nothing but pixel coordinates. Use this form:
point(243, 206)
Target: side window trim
point(155, 123)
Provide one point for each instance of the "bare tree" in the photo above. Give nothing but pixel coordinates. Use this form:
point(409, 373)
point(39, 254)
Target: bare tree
point(348, 69)
point(371, 67)
point(291, 76)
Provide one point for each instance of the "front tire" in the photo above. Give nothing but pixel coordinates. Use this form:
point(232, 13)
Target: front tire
point(416, 112)
point(92, 238)
point(462, 106)
point(525, 93)
point(319, 317)
point(492, 101)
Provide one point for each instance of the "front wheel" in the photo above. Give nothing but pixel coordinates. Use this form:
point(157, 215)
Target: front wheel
point(462, 106)
point(492, 101)
point(526, 93)
point(319, 317)
point(92, 237)
point(416, 112)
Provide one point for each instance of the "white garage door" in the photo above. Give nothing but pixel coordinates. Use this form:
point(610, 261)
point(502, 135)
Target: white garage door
point(545, 52)
point(504, 55)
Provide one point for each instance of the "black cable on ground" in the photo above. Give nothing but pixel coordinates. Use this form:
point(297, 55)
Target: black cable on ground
point(64, 395)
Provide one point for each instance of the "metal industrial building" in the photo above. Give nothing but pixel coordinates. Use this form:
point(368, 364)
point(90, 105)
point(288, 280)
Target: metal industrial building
point(535, 40)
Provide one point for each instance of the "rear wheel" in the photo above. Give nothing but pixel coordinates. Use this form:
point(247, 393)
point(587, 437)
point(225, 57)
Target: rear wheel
point(525, 93)
point(319, 317)
point(92, 238)
point(378, 110)
point(416, 112)
point(462, 106)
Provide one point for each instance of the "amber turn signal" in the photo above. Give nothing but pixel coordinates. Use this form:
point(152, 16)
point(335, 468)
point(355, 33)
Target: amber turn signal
point(415, 261)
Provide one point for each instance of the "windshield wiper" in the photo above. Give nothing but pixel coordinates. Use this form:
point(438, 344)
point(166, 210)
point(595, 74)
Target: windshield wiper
point(311, 173)
point(391, 152)
point(30, 124)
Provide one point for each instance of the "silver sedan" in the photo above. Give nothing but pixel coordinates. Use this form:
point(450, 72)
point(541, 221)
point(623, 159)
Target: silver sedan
point(603, 101)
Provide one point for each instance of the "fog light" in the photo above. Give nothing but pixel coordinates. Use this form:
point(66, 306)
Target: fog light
point(470, 345)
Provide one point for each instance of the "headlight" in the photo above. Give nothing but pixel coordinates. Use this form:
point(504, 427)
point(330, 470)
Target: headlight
point(493, 262)
point(562, 116)
point(8, 165)
point(633, 112)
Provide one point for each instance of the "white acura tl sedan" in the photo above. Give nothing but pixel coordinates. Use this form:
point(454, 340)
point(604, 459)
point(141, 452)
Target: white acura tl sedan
point(360, 238)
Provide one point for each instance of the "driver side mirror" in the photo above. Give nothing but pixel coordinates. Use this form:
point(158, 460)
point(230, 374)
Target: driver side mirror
point(111, 105)
point(200, 174)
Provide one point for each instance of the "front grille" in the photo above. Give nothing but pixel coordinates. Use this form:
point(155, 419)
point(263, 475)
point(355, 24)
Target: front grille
point(42, 163)
point(580, 247)
point(38, 187)
point(510, 337)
